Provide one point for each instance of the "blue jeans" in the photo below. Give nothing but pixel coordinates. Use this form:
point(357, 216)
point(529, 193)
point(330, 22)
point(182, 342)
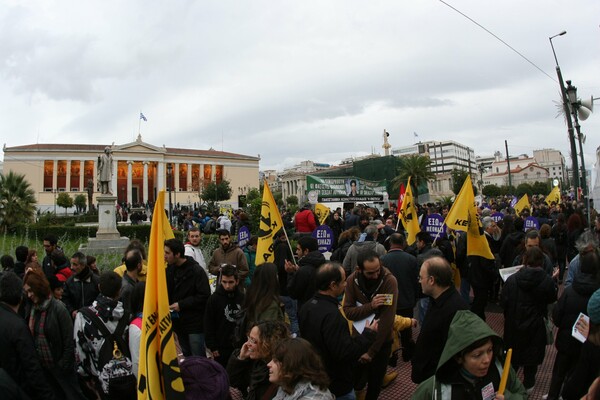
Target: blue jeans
point(347, 396)
point(192, 344)
point(291, 309)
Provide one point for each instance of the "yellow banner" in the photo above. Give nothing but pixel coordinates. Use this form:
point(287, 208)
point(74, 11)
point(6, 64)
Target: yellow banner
point(408, 215)
point(463, 217)
point(554, 196)
point(322, 212)
point(522, 204)
point(269, 227)
point(159, 373)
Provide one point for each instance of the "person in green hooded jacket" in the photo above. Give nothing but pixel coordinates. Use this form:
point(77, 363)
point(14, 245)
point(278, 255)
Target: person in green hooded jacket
point(471, 365)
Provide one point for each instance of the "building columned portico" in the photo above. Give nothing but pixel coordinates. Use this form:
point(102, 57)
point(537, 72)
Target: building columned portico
point(139, 170)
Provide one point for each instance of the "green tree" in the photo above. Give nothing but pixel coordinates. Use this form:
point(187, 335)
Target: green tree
point(458, 179)
point(80, 202)
point(64, 200)
point(17, 201)
point(524, 188)
point(541, 188)
point(418, 168)
point(291, 201)
point(492, 190)
point(213, 193)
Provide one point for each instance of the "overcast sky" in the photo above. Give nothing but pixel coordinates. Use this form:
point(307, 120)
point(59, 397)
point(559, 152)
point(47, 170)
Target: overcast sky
point(295, 80)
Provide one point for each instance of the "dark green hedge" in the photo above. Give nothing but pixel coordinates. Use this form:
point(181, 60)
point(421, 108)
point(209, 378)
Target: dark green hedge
point(141, 232)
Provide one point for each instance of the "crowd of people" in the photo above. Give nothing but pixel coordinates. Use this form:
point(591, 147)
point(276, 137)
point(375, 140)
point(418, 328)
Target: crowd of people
point(307, 326)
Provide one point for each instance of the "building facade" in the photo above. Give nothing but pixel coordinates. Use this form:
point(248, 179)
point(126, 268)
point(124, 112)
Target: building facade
point(553, 161)
point(140, 171)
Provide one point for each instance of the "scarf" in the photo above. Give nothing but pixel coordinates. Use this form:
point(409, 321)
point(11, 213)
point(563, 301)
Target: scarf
point(37, 330)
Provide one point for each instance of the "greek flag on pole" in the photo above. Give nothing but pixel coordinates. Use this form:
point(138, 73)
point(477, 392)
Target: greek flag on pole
point(142, 116)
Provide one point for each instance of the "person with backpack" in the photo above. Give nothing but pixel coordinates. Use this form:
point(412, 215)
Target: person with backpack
point(98, 329)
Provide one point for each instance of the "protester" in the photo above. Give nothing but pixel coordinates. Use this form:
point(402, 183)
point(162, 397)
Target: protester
point(572, 302)
point(262, 301)
point(52, 330)
point(223, 310)
point(525, 298)
point(471, 365)
point(136, 301)
point(18, 357)
point(298, 371)
point(247, 366)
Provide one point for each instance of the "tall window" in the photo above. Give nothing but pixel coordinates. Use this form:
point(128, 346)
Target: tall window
point(75, 174)
point(61, 175)
point(48, 173)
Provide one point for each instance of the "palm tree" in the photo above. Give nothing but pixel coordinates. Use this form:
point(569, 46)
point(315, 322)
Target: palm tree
point(17, 201)
point(416, 166)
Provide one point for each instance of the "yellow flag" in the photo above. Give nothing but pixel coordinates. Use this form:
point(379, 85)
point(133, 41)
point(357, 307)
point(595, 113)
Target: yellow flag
point(322, 212)
point(408, 215)
point(159, 373)
point(554, 196)
point(269, 227)
point(522, 204)
point(463, 217)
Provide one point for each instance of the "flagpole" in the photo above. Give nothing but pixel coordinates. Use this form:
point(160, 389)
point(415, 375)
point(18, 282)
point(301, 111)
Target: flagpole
point(140, 124)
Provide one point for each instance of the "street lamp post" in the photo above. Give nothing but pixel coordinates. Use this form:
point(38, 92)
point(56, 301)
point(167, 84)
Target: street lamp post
point(169, 177)
point(575, 103)
point(565, 102)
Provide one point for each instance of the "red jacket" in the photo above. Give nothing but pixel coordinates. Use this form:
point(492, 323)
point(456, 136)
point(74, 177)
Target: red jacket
point(305, 221)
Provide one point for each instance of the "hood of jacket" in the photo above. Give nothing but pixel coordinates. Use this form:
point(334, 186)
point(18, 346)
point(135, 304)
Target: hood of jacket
point(515, 237)
point(528, 278)
point(314, 258)
point(465, 329)
point(585, 284)
point(366, 245)
point(304, 390)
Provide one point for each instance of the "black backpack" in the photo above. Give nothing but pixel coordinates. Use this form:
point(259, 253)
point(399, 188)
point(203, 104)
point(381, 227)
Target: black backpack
point(115, 372)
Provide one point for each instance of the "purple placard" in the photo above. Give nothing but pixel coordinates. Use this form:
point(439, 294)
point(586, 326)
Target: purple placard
point(531, 222)
point(324, 236)
point(497, 216)
point(434, 225)
point(243, 236)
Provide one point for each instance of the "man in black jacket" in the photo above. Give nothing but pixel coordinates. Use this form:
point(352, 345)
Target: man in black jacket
point(435, 277)
point(81, 289)
point(404, 267)
point(189, 291)
point(301, 277)
point(324, 326)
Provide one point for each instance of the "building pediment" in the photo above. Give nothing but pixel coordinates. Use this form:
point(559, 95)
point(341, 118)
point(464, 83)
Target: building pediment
point(139, 146)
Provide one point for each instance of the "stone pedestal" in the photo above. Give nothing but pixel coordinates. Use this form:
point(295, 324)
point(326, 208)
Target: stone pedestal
point(108, 239)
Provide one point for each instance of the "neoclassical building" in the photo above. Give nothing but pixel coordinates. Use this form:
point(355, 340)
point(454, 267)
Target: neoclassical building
point(140, 170)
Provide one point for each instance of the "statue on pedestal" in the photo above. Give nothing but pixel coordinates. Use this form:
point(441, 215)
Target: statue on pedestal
point(105, 168)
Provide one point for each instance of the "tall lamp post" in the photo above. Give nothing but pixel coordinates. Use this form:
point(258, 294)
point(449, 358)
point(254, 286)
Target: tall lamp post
point(575, 104)
point(565, 102)
point(169, 177)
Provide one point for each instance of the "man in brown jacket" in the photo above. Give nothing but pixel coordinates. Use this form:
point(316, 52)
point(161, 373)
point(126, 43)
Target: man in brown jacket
point(228, 253)
point(372, 289)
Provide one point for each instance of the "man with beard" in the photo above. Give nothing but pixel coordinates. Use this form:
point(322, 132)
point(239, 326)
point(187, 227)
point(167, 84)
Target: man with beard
point(222, 312)
point(228, 253)
point(372, 289)
point(301, 277)
point(192, 247)
point(81, 289)
point(189, 290)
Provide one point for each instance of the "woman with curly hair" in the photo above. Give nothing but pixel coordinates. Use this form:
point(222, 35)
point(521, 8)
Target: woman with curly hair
point(247, 367)
point(52, 330)
point(298, 371)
